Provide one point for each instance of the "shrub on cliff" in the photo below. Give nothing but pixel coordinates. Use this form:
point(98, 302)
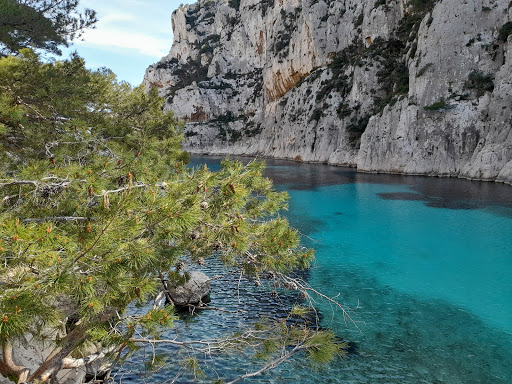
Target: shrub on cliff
point(505, 31)
point(480, 82)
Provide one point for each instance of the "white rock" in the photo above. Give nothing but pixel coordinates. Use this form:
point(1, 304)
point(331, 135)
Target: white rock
point(255, 81)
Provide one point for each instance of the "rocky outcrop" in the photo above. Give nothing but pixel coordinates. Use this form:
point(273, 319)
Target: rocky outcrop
point(402, 86)
point(194, 290)
point(89, 363)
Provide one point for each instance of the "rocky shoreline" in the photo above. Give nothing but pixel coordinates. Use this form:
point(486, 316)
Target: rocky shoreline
point(406, 87)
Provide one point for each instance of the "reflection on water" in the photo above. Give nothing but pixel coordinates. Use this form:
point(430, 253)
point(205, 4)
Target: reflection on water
point(451, 193)
point(427, 260)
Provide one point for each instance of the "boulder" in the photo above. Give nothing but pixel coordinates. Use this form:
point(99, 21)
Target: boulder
point(194, 291)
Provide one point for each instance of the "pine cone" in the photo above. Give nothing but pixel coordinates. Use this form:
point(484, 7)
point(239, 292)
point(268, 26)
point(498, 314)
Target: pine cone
point(180, 266)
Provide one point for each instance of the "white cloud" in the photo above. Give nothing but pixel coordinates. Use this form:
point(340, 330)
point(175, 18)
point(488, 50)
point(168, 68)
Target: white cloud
point(141, 27)
point(142, 44)
point(129, 35)
point(114, 17)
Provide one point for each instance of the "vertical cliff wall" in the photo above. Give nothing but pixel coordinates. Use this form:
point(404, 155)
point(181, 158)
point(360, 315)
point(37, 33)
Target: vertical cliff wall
point(405, 86)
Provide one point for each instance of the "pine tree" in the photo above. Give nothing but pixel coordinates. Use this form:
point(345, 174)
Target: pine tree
point(41, 24)
point(98, 206)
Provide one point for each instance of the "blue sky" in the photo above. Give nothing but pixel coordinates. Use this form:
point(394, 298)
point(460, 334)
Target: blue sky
point(129, 36)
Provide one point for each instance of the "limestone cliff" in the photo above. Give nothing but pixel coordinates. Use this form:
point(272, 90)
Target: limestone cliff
point(405, 86)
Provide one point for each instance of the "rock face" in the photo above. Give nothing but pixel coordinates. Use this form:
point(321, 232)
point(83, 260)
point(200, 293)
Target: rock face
point(31, 352)
point(195, 289)
point(402, 86)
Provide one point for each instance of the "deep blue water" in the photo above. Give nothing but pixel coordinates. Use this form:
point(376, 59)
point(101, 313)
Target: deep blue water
point(428, 261)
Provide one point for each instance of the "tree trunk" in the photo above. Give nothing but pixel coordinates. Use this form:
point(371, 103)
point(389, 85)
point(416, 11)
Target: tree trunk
point(55, 361)
point(9, 368)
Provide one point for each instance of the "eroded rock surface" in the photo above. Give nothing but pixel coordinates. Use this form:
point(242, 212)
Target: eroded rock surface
point(194, 291)
point(405, 86)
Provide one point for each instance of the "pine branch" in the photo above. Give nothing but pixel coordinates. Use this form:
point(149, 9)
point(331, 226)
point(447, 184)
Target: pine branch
point(7, 198)
point(250, 338)
point(273, 364)
point(138, 185)
point(50, 6)
point(103, 231)
point(60, 183)
point(19, 182)
point(54, 362)
point(71, 363)
point(175, 342)
point(58, 219)
point(306, 290)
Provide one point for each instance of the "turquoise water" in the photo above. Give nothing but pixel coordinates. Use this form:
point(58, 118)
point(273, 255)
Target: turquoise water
point(433, 285)
point(463, 257)
point(427, 261)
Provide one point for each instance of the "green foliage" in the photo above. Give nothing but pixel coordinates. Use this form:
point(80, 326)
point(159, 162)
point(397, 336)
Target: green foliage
point(228, 117)
point(225, 131)
point(283, 39)
point(209, 43)
point(276, 342)
point(156, 362)
point(300, 311)
point(438, 105)
point(282, 43)
point(234, 4)
point(220, 85)
point(323, 347)
point(424, 69)
point(194, 71)
point(393, 75)
point(480, 82)
point(192, 365)
point(340, 81)
point(356, 128)
point(97, 206)
point(422, 6)
point(46, 103)
point(359, 126)
point(316, 115)
point(390, 57)
point(359, 20)
point(505, 31)
point(41, 24)
point(410, 24)
point(266, 4)
point(343, 110)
